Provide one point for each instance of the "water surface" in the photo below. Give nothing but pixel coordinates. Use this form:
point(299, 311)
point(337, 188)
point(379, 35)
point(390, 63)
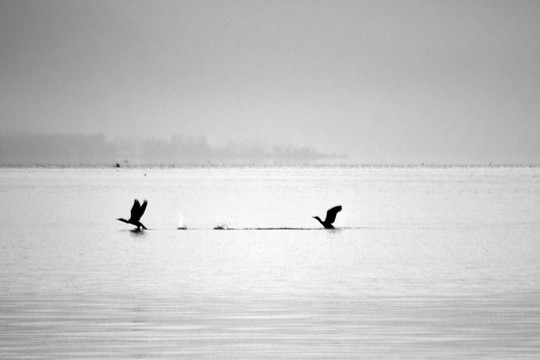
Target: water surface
point(427, 263)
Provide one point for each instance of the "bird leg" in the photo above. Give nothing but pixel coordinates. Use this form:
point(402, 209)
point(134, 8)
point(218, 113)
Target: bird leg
point(139, 225)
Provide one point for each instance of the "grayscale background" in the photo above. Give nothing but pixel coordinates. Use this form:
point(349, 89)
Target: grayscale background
point(238, 121)
point(376, 81)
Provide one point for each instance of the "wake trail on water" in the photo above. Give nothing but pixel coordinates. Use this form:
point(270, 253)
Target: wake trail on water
point(267, 228)
point(282, 228)
point(257, 229)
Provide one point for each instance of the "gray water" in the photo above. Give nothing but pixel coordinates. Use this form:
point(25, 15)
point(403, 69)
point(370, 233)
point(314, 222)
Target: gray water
point(433, 263)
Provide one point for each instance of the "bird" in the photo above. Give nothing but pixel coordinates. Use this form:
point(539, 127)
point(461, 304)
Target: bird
point(330, 217)
point(137, 212)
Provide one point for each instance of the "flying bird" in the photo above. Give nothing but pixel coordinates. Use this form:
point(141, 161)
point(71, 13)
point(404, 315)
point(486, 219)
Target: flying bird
point(137, 212)
point(330, 217)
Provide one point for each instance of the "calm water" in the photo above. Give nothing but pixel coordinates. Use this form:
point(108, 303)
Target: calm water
point(428, 263)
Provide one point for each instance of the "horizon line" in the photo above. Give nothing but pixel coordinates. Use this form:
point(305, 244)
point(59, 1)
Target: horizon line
point(262, 165)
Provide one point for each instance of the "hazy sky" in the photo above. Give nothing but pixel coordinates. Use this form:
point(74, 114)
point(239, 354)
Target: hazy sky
point(383, 81)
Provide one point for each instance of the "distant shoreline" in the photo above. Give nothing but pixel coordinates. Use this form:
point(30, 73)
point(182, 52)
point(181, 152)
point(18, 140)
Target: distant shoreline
point(209, 166)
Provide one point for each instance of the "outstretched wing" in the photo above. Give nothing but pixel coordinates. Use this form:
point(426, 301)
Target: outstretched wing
point(135, 211)
point(143, 208)
point(331, 214)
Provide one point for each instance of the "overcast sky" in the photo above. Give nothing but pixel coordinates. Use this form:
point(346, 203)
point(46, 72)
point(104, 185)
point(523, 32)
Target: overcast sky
point(382, 81)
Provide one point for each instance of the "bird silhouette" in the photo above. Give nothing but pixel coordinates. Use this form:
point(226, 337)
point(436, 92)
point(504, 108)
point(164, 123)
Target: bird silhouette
point(330, 217)
point(137, 212)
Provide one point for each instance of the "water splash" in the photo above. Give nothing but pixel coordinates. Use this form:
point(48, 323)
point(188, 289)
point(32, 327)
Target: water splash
point(223, 226)
point(181, 224)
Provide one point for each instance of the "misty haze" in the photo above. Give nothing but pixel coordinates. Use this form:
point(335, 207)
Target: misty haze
point(270, 179)
point(95, 150)
point(397, 82)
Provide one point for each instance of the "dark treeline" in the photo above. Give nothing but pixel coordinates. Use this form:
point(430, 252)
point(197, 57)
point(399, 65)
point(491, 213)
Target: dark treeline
point(66, 149)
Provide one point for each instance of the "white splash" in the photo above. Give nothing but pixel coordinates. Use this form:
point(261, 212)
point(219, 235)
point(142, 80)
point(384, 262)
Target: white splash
point(181, 223)
point(223, 226)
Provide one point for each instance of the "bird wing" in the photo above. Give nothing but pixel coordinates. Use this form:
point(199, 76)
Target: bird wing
point(331, 214)
point(143, 208)
point(135, 210)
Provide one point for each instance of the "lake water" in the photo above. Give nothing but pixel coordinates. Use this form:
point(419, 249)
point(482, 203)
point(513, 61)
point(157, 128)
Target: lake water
point(427, 263)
